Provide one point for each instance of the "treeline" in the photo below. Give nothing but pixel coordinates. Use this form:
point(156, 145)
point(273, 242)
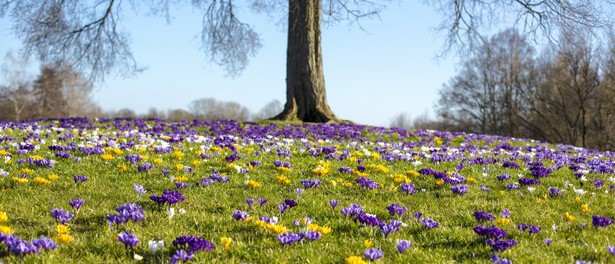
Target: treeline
point(563, 95)
point(59, 91)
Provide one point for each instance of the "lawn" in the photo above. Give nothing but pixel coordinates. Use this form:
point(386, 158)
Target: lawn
point(152, 191)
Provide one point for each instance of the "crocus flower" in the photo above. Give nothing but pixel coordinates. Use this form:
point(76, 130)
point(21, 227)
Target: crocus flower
point(283, 207)
point(373, 254)
point(333, 203)
point(239, 215)
point(403, 245)
point(483, 216)
point(429, 223)
point(408, 188)
point(460, 189)
point(261, 201)
point(396, 209)
point(61, 215)
point(80, 178)
point(250, 201)
point(611, 249)
point(128, 239)
point(501, 245)
point(490, 232)
point(601, 221)
point(288, 238)
point(76, 203)
point(193, 243)
point(548, 241)
point(139, 189)
point(506, 213)
point(555, 192)
point(182, 255)
point(312, 235)
point(155, 245)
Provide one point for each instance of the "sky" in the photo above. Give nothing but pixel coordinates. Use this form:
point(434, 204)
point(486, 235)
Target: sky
point(391, 66)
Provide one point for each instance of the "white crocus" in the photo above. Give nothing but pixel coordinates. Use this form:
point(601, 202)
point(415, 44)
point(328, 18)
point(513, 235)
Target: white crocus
point(182, 211)
point(171, 212)
point(155, 245)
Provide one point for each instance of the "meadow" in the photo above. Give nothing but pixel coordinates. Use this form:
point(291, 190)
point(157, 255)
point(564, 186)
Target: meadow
point(151, 191)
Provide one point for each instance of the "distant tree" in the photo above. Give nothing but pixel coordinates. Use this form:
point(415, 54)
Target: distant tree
point(87, 34)
point(48, 96)
point(152, 112)
point(401, 120)
point(16, 94)
point(269, 110)
point(210, 109)
point(486, 96)
point(179, 115)
point(568, 99)
point(125, 113)
point(77, 92)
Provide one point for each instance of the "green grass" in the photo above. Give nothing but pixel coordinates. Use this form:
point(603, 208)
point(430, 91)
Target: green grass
point(209, 210)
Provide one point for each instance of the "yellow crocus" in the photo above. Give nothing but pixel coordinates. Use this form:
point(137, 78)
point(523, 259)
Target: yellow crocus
point(355, 260)
point(367, 243)
point(65, 238)
point(62, 229)
point(6, 230)
point(3, 217)
point(226, 241)
point(585, 208)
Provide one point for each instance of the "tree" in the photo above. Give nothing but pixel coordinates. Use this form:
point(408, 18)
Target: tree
point(401, 120)
point(209, 109)
point(16, 94)
point(486, 96)
point(88, 36)
point(47, 90)
point(270, 110)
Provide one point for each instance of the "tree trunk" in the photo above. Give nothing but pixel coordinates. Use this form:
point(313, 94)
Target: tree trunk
point(305, 83)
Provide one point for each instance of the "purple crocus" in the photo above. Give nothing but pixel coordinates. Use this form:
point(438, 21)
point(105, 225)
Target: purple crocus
point(76, 203)
point(182, 255)
point(333, 203)
point(283, 207)
point(193, 243)
point(506, 213)
point(555, 192)
point(501, 245)
point(128, 239)
point(396, 209)
point(548, 241)
point(490, 232)
point(240, 215)
point(80, 179)
point(403, 245)
point(373, 254)
point(139, 189)
point(288, 238)
point(312, 235)
point(601, 221)
point(460, 189)
point(261, 201)
point(250, 201)
point(430, 223)
point(61, 215)
point(483, 216)
point(611, 249)
point(408, 188)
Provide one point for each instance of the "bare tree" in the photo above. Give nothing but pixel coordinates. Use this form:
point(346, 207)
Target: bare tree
point(466, 21)
point(401, 120)
point(210, 109)
point(269, 110)
point(16, 95)
point(77, 91)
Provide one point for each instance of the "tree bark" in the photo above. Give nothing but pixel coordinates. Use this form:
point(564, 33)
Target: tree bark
point(305, 83)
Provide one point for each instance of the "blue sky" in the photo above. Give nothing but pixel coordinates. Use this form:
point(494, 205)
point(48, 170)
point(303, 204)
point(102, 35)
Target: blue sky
point(370, 75)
